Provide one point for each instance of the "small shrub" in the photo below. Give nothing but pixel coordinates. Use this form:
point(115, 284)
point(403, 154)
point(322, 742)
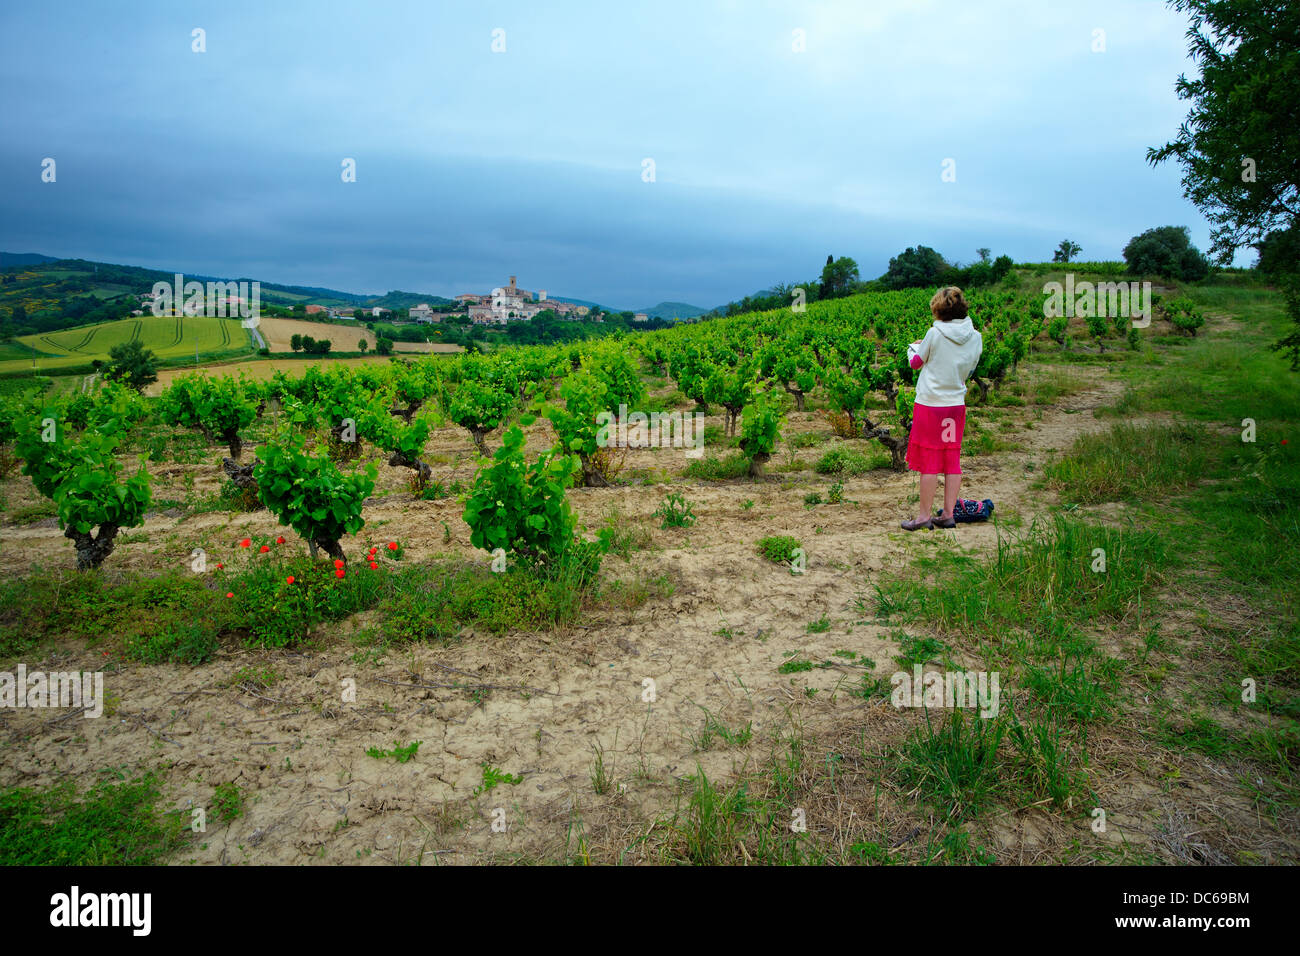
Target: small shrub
point(493, 776)
point(841, 424)
point(675, 511)
point(779, 549)
point(227, 801)
point(399, 753)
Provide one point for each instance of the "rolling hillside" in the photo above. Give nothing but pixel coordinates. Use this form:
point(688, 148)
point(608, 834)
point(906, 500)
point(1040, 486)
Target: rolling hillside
point(673, 310)
point(167, 336)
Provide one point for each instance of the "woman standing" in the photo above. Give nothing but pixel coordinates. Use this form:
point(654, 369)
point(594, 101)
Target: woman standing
point(946, 357)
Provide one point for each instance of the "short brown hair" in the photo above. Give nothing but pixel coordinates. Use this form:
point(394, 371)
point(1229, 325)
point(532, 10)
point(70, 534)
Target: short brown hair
point(948, 304)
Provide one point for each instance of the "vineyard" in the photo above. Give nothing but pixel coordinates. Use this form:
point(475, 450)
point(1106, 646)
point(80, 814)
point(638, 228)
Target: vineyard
point(652, 577)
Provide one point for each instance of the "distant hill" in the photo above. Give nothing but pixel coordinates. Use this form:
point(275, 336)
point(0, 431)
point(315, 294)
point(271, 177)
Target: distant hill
point(8, 259)
point(664, 310)
point(587, 303)
point(404, 300)
point(71, 292)
point(673, 310)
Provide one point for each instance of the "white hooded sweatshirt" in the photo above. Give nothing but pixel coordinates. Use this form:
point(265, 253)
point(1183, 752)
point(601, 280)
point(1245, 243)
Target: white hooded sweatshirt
point(950, 351)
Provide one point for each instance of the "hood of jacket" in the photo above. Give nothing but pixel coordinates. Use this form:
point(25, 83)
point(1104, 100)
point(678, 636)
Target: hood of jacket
point(958, 332)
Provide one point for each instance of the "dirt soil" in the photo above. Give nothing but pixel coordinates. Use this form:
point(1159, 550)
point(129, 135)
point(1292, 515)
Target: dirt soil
point(711, 649)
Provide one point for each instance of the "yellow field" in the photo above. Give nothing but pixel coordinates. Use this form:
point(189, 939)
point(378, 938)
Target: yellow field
point(342, 338)
point(278, 332)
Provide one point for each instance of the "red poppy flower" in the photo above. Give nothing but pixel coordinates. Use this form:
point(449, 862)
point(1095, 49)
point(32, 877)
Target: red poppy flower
point(289, 579)
point(392, 546)
point(339, 573)
point(230, 594)
point(374, 566)
point(263, 549)
point(245, 543)
point(280, 540)
point(220, 565)
point(338, 564)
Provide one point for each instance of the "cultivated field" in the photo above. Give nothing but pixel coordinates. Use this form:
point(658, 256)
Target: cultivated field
point(166, 336)
point(343, 338)
point(699, 697)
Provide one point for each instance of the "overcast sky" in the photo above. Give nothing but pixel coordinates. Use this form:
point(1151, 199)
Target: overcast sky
point(472, 165)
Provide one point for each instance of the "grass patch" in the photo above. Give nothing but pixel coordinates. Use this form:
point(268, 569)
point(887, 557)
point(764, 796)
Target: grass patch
point(712, 468)
point(152, 615)
point(1128, 462)
point(807, 440)
point(1039, 582)
point(30, 514)
point(849, 462)
point(183, 617)
point(435, 602)
point(112, 824)
point(181, 642)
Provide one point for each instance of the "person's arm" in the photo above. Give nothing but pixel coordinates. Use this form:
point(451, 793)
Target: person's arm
point(918, 353)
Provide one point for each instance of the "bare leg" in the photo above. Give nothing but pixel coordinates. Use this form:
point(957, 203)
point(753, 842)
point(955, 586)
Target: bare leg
point(928, 484)
point(951, 488)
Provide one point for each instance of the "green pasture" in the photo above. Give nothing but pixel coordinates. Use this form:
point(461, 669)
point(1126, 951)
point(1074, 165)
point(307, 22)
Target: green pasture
point(167, 336)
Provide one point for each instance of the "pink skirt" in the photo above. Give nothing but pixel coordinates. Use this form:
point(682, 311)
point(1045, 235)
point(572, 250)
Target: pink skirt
point(935, 445)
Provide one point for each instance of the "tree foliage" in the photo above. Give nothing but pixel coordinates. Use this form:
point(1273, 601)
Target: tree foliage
point(132, 364)
point(1166, 251)
point(914, 268)
point(1239, 146)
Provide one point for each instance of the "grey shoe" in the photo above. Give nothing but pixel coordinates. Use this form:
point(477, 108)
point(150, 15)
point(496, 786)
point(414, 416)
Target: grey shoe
point(938, 521)
point(916, 524)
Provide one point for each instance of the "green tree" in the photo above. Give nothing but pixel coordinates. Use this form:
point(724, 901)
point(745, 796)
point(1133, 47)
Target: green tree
point(132, 364)
point(1239, 146)
point(295, 342)
point(914, 268)
point(362, 345)
point(1166, 251)
point(1066, 251)
point(1279, 252)
point(838, 277)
